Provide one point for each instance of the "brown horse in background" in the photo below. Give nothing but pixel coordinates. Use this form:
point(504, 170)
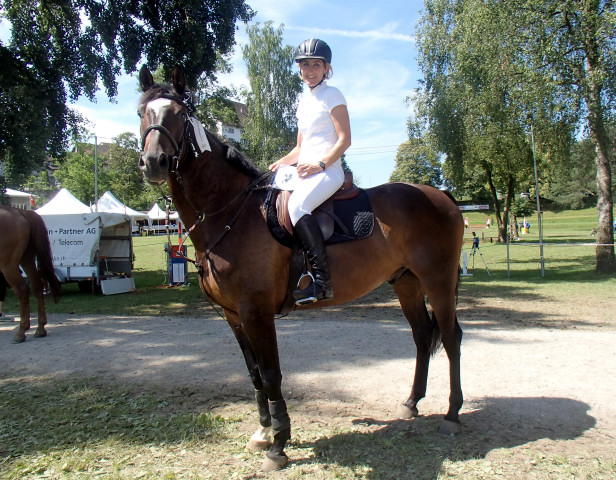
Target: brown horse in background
point(24, 242)
point(219, 194)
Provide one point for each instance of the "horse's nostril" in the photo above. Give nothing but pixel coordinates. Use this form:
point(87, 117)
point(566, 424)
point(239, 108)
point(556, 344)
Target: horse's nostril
point(163, 161)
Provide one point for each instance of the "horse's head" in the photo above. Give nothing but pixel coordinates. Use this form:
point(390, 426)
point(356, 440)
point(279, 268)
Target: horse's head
point(164, 118)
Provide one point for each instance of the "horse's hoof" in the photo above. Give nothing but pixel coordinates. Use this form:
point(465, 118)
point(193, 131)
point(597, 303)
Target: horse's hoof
point(19, 338)
point(406, 413)
point(273, 463)
point(40, 334)
point(256, 446)
point(449, 428)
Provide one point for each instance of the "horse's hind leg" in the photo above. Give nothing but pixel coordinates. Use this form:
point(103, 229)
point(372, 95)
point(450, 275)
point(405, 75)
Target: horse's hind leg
point(36, 285)
point(425, 334)
point(22, 292)
point(443, 305)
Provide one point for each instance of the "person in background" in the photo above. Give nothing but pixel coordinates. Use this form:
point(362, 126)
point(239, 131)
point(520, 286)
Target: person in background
point(324, 134)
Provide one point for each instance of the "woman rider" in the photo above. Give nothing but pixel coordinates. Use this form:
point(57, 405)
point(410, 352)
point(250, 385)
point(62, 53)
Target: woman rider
point(324, 134)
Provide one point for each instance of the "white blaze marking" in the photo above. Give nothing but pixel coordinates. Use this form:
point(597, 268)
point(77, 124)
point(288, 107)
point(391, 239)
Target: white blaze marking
point(158, 105)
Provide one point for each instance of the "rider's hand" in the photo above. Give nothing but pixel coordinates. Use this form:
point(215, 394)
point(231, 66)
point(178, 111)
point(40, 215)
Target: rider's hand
point(306, 169)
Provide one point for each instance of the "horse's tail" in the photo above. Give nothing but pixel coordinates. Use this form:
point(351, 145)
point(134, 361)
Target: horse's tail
point(39, 242)
point(436, 336)
point(436, 332)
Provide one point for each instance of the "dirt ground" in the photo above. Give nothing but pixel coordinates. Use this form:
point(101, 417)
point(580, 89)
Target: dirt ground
point(532, 372)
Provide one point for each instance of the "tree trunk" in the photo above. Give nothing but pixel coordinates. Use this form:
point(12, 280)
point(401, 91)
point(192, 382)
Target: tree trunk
point(604, 252)
point(502, 220)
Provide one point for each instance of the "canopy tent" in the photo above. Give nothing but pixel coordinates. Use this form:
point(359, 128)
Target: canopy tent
point(157, 220)
point(63, 203)
point(109, 203)
point(157, 213)
point(19, 199)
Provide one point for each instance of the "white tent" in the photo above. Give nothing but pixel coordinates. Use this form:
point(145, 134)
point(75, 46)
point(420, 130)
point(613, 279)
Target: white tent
point(109, 203)
point(157, 213)
point(19, 199)
point(157, 220)
point(64, 202)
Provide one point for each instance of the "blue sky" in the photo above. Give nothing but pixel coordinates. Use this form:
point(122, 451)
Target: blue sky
point(374, 61)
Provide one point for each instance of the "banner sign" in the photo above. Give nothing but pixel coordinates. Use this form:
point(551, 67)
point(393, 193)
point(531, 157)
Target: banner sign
point(474, 207)
point(74, 239)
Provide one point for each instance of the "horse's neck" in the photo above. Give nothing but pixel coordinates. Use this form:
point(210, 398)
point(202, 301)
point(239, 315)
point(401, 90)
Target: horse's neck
point(208, 186)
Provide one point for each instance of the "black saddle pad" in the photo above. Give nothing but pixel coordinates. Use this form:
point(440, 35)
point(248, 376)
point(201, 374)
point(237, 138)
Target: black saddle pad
point(356, 220)
point(353, 220)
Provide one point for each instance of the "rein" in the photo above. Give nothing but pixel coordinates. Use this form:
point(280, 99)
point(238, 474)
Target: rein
point(201, 215)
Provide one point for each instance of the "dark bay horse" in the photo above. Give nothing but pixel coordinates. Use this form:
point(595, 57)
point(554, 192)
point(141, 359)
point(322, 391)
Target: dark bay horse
point(24, 242)
point(219, 194)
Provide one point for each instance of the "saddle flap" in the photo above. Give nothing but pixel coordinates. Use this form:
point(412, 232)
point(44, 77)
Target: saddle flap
point(323, 214)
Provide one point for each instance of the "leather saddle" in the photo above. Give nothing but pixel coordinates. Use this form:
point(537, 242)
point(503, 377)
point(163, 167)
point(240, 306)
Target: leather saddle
point(325, 213)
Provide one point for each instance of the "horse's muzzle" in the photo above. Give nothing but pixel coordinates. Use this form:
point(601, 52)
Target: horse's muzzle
point(155, 168)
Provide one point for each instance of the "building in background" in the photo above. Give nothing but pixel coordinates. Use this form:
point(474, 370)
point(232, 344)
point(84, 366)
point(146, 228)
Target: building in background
point(233, 133)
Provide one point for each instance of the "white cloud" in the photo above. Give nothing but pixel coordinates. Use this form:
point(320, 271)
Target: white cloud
point(386, 33)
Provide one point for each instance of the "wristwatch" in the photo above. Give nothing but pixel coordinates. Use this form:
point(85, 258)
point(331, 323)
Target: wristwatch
point(322, 165)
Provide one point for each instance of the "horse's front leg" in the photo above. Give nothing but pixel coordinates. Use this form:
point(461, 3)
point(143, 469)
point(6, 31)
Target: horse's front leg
point(262, 438)
point(256, 334)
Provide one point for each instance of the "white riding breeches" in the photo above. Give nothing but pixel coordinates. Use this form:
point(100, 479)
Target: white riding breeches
point(312, 191)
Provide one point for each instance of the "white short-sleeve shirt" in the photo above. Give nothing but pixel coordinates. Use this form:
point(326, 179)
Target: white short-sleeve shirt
point(315, 123)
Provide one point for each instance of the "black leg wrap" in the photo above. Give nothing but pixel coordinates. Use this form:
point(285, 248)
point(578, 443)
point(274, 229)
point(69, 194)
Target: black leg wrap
point(280, 418)
point(265, 419)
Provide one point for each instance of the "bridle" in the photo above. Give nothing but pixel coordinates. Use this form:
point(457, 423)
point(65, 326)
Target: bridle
point(179, 148)
point(180, 152)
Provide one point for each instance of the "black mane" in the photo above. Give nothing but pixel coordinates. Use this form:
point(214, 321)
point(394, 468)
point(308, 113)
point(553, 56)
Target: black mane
point(240, 161)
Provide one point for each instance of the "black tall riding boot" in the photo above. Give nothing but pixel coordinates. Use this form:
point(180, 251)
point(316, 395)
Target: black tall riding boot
point(310, 234)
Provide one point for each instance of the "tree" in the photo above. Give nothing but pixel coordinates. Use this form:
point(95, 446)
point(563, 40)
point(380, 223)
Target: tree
point(495, 70)
point(119, 163)
point(571, 48)
point(466, 99)
point(61, 50)
point(417, 161)
point(270, 131)
point(76, 173)
point(573, 180)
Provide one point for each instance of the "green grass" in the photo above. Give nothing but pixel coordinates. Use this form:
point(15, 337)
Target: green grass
point(569, 269)
point(87, 429)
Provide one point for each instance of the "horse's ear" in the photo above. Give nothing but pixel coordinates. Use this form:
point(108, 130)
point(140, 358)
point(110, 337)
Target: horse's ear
point(179, 79)
point(145, 79)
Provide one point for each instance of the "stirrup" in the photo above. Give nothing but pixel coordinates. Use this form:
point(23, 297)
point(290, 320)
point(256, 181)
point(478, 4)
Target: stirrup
point(310, 298)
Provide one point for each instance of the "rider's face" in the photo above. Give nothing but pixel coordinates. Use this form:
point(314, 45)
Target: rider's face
point(312, 71)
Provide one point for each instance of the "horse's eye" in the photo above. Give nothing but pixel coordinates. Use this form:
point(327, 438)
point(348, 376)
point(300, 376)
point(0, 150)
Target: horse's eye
point(139, 114)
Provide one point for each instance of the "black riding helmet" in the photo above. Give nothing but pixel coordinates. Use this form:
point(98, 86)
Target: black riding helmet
point(313, 48)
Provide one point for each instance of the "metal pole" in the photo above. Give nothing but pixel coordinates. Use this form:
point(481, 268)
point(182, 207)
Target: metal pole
point(95, 175)
point(539, 226)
